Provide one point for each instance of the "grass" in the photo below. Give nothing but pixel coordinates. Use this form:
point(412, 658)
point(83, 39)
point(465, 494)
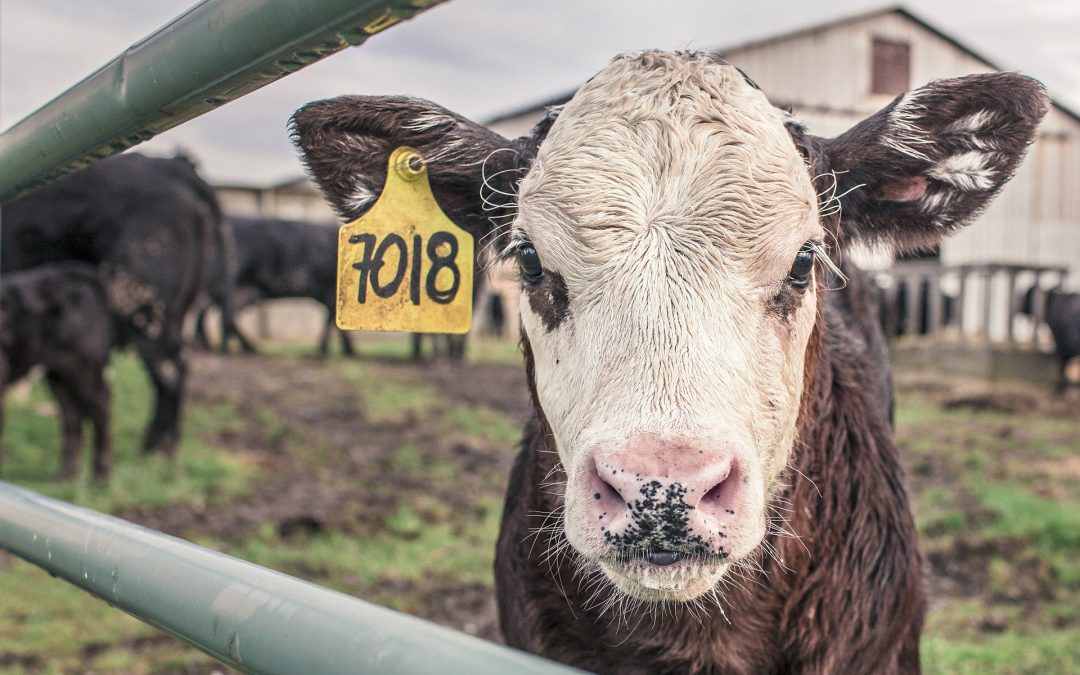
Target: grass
point(387, 399)
point(201, 473)
point(992, 499)
point(492, 350)
point(41, 617)
point(49, 626)
point(484, 423)
point(398, 347)
point(1051, 525)
point(989, 494)
point(410, 553)
point(1015, 652)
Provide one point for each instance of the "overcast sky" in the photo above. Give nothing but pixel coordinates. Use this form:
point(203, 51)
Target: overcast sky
point(480, 57)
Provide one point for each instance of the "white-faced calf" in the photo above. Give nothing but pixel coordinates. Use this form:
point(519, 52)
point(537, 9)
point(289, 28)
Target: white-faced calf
point(709, 481)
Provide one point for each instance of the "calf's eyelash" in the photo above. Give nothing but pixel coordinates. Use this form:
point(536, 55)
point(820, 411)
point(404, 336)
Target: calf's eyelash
point(517, 241)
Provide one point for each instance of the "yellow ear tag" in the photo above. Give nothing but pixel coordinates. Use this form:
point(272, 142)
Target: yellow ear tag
point(404, 265)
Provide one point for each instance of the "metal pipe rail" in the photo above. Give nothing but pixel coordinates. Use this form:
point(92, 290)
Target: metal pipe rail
point(215, 52)
point(250, 617)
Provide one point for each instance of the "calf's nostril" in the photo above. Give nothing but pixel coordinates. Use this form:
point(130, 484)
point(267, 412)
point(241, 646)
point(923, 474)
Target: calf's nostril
point(604, 492)
point(723, 494)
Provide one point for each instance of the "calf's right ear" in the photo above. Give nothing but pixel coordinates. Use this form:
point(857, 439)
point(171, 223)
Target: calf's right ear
point(928, 163)
point(347, 141)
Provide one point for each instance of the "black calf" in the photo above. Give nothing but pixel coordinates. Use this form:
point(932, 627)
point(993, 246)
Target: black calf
point(56, 317)
point(148, 224)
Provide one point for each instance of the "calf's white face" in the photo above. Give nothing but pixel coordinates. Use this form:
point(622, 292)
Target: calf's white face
point(666, 209)
point(667, 224)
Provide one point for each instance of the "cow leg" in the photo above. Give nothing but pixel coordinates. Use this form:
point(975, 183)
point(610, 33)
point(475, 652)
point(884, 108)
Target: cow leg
point(92, 396)
point(201, 340)
point(346, 343)
point(1063, 370)
point(245, 343)
point(96, 400)
point(168, 372)
point(456, 347)
point(417, 347)
point(71, 422)
point(1, 429)
point(226, 328)
point(324, 336)
point(232, 329)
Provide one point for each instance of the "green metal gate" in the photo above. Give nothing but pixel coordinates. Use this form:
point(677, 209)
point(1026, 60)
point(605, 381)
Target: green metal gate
point(247, 616)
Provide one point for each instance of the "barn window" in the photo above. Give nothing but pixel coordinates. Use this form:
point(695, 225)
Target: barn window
point(890, 67)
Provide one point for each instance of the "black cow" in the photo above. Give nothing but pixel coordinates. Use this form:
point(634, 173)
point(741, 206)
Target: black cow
point(275, 258)
point(149, 225)
point(56, 316)
point(1063, 317)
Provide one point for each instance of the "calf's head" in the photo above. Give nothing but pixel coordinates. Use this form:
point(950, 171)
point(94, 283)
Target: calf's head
point(672, 230)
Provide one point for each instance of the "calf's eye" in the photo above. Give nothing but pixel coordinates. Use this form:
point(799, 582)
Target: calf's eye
point(531, 270)
point(799, 276)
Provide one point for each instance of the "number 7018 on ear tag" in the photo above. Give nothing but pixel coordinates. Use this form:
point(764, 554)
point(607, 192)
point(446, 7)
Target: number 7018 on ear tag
point(404, 265)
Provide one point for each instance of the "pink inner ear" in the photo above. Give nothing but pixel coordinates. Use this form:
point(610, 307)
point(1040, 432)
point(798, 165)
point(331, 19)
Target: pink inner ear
point(904, 189)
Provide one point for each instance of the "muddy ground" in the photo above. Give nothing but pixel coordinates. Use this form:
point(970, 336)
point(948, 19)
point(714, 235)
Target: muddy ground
point(329, 489)
point(328, 464)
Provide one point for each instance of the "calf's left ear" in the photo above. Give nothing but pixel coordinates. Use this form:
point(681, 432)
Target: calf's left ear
point(346, 143)
point(930, 161)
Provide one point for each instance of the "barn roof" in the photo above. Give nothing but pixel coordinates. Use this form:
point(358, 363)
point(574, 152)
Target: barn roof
point(817, 28)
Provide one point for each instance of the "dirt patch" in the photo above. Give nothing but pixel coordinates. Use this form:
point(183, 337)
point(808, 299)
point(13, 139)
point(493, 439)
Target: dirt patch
point(972, 446)
point(28, 662)
point(469, 608)
point(95, 649)
point(319, 453)
point(1000, 569)
point(325, 466)
point(472, 603)
point(501, 388)
point(993, 402)
point(1007, 397)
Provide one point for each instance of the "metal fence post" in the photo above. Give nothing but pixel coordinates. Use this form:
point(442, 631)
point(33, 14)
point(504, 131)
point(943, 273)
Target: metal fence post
point(214, 53)
point(249, 617)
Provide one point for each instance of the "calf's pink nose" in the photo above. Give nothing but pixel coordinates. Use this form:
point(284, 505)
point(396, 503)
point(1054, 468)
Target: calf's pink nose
point(661, 496)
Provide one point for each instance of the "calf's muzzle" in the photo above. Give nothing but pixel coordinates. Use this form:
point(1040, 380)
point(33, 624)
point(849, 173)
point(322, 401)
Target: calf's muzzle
point(659, 500)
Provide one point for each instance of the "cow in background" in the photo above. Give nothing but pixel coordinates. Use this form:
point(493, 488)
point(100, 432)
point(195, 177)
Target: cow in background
point(273, 258)
point(148, 224)
point(56, 316)
point(1062, 315)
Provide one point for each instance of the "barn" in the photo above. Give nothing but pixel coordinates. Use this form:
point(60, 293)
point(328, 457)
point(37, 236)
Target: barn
point(831, 76)
point(294, 199)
